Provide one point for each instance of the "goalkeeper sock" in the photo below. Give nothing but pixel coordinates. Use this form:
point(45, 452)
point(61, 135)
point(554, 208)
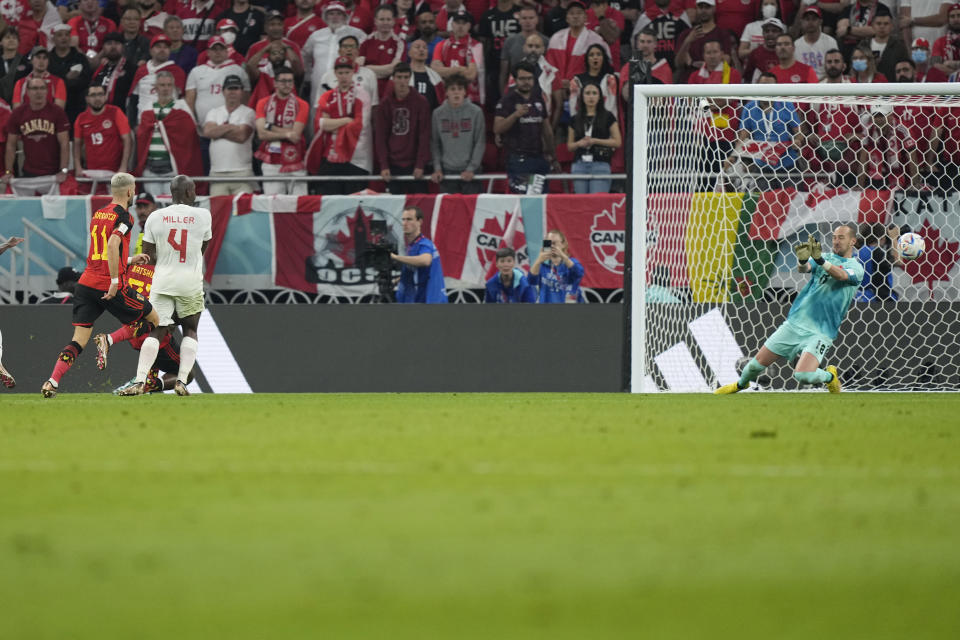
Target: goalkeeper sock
point(188, 355)
point(148, 353)
point(1, 346)
point(750, 373)
point(818, 376)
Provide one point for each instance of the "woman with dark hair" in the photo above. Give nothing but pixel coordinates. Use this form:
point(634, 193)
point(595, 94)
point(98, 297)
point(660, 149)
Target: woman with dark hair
point(592, 138)
point(599, 71)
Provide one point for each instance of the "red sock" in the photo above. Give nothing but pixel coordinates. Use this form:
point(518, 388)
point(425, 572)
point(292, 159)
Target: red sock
point(65, 360)
point(124, 333)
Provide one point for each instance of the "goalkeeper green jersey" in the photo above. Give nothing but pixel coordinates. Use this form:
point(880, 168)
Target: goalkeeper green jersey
point(823, 303)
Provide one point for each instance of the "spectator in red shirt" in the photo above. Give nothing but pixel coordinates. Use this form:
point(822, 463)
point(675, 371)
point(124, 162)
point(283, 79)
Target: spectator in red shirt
point(281, 119)
point(764, 57)
point(101, 139)
point(90, 28)
point(690, 53)
point(56, 89)
point(568, 47)
point(358, 16)
point(463, 55)
point(199, 18)
point(946, 48)
point(227, 30)
point(401, 134)
point(888, 154)
point(382, 51)
point(44, 130)
point(715, 69)
point(864, 66)
point(920, 56)
point(342, 144)
point(298, 27)
point(609, 23)
point(835, 126)
point(734, 15)
point(789, 70)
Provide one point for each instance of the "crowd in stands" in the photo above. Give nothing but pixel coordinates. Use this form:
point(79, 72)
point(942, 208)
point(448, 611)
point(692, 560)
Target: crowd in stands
point(434, 90)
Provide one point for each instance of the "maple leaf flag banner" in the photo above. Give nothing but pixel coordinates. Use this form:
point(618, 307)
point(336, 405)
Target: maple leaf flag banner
point(594, 227)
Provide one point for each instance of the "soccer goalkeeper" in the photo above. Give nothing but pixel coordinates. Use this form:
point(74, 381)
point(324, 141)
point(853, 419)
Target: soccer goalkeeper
point(816, 314)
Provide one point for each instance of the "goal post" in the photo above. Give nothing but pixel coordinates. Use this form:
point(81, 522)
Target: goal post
point(725, 179)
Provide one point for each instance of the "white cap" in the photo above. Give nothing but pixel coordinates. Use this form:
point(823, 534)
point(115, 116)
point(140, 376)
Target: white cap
point(776, 22)
point(881, 109)
point(712, 3)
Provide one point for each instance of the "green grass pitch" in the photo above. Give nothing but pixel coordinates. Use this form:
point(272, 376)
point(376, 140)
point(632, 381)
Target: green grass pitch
point(560, 516)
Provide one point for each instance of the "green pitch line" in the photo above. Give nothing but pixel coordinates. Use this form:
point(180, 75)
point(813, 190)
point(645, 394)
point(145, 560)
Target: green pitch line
point(480, 516)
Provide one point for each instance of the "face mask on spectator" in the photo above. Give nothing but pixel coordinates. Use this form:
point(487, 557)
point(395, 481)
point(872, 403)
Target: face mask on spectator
point(859, 65)
point(919, 56)
point(229, 37)
point(769, 11)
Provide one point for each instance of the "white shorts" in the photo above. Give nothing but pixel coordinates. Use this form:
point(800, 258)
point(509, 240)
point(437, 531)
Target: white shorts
point(184, 306)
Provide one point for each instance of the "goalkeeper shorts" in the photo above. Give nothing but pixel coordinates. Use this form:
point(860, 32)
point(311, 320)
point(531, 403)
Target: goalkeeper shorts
point(790, 341)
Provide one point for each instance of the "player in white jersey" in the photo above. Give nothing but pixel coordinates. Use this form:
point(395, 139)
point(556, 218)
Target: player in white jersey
point(175, 238)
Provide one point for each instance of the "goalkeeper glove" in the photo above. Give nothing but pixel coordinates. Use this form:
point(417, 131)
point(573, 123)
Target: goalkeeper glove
point(815, 250)
point(803, 252)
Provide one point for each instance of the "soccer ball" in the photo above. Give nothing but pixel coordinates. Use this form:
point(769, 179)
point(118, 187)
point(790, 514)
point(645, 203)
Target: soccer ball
point(911, 246)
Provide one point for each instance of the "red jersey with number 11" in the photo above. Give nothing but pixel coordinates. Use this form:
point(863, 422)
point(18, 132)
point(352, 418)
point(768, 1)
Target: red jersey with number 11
point(111, 220)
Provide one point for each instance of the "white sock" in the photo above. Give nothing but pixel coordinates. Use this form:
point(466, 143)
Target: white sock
point(148, 353)
point(188, 355)
point(109, 340)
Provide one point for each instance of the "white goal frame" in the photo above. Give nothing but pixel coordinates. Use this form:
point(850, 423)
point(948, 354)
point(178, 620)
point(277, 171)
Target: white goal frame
point(635, 367)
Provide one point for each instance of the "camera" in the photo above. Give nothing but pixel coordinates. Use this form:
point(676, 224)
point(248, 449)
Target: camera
point(373, 248)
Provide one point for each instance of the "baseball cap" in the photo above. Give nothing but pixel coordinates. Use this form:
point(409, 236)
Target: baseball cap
point(145, 198)
point(216, 40)
point(462, 17)
point(920, 43)
point(812, 9)
point(954, 7)
point(160, 38)
point(39, 49)
point(227, 23)
point(576, 3)
point(335, 6)
point(712, 3)
point(232, 81)
point(343, 61)
point(113, 36)
point(67, 274)
point(276, 15)
point(63, 26)
point(774, 22)
point(881, 109)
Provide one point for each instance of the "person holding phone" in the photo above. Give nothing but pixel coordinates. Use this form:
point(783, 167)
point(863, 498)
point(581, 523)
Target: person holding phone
point(555, 272)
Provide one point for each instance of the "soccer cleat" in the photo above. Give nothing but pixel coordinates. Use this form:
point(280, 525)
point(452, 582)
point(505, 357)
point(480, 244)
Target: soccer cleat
point(136, 389)
point(103, 346)
point(180, 389)
point(6, 378)
point(128, 383)
point(48, 390)
point(834, 385)
point(733, 387)
point(153, 383)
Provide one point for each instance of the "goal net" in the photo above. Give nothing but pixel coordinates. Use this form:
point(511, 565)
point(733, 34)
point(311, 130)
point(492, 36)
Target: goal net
point(726, 179)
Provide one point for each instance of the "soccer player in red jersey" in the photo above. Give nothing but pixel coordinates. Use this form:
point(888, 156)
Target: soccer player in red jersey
point(103, 285)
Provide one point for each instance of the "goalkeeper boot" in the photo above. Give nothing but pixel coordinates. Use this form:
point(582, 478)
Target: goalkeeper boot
point(153, 384)
point(733, 387)
point(834, 385)
point(48, 390)
point(180, 389)
point(103, 347)
point(6, 378)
